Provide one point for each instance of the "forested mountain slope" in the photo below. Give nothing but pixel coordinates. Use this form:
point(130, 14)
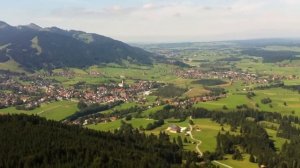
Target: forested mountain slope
point(34, 48)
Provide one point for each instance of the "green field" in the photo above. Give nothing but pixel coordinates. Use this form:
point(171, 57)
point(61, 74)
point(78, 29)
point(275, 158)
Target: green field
point(238, 163)
point(56, 110)
point(277, 140)
point(292, 82)
point(152, 110)
point(209, 82)
point(11, 65)
point(123, 106)
point(231, 101)
point(157, 72)
point(277, 95)
point(207, 134)
point(111, 126)
point(268, 68)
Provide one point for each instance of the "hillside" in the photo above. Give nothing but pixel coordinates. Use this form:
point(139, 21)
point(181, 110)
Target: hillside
point(31, 141)
point(34, 48)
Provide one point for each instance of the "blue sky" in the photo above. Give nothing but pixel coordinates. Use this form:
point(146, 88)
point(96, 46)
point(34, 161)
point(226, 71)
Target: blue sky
point(162, 20)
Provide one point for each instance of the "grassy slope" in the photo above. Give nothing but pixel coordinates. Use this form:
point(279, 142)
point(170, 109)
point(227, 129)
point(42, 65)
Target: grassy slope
point(56, 110)
point(111, 126)
point(11, 65)
point(152, 110)
point(239, 164)
point(278, 96)
point(268, 68)
point(123, 106)
point(277, 140)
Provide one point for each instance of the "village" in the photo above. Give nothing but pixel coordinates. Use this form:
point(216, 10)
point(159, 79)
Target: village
point(29, 92)
point(29, 95)
point(247, 78)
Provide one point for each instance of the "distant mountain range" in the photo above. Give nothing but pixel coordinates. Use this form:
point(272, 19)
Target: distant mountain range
point(34, 47)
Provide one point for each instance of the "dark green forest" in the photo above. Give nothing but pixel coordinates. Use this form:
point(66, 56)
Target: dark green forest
point(31, 141)
point(271, 56)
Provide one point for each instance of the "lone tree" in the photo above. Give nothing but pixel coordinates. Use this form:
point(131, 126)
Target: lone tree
point(252, 159)
point(237, 155)
point(128, 117)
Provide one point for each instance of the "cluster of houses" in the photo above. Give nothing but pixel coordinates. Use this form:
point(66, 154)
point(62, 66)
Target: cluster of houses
point(114, 92)
point(247, 78)
point(34, 92)
point(64, 73)
point(15, 93)
point(206, 98)
point(87, 121)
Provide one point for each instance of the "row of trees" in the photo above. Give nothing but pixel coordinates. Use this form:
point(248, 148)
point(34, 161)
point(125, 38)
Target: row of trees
point(293, 87)
point(85, 110)
point(155, 124)
point(286, 130)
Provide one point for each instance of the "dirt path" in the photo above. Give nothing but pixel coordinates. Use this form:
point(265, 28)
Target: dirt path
point(225, 165)
point(43, 111)
point(199, 142)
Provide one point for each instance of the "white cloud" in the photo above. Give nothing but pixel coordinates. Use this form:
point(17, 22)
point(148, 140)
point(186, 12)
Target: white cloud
point(174, 20)
point(148, 6)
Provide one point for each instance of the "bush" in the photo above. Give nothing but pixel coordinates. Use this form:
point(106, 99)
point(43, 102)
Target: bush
point(266, 100)
point(154, 125)
point(128, 117)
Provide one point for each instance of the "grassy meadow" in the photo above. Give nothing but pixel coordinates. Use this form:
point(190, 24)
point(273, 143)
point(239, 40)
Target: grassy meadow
point(277, 95)
point(111, 126)
point(55, 111)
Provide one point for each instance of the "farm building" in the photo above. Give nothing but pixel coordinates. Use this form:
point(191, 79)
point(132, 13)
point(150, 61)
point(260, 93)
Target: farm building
point(174, 128)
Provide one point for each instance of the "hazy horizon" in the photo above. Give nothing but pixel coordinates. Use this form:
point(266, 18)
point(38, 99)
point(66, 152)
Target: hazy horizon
point(154, 21)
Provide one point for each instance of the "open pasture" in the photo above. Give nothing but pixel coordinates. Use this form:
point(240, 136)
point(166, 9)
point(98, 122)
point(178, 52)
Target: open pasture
point(277, 95)
point(55, 110)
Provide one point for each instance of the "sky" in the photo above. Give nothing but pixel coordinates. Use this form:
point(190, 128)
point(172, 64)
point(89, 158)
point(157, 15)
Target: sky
point(162, 20)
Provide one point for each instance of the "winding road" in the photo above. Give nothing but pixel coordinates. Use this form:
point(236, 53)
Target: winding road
point(199, 142)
